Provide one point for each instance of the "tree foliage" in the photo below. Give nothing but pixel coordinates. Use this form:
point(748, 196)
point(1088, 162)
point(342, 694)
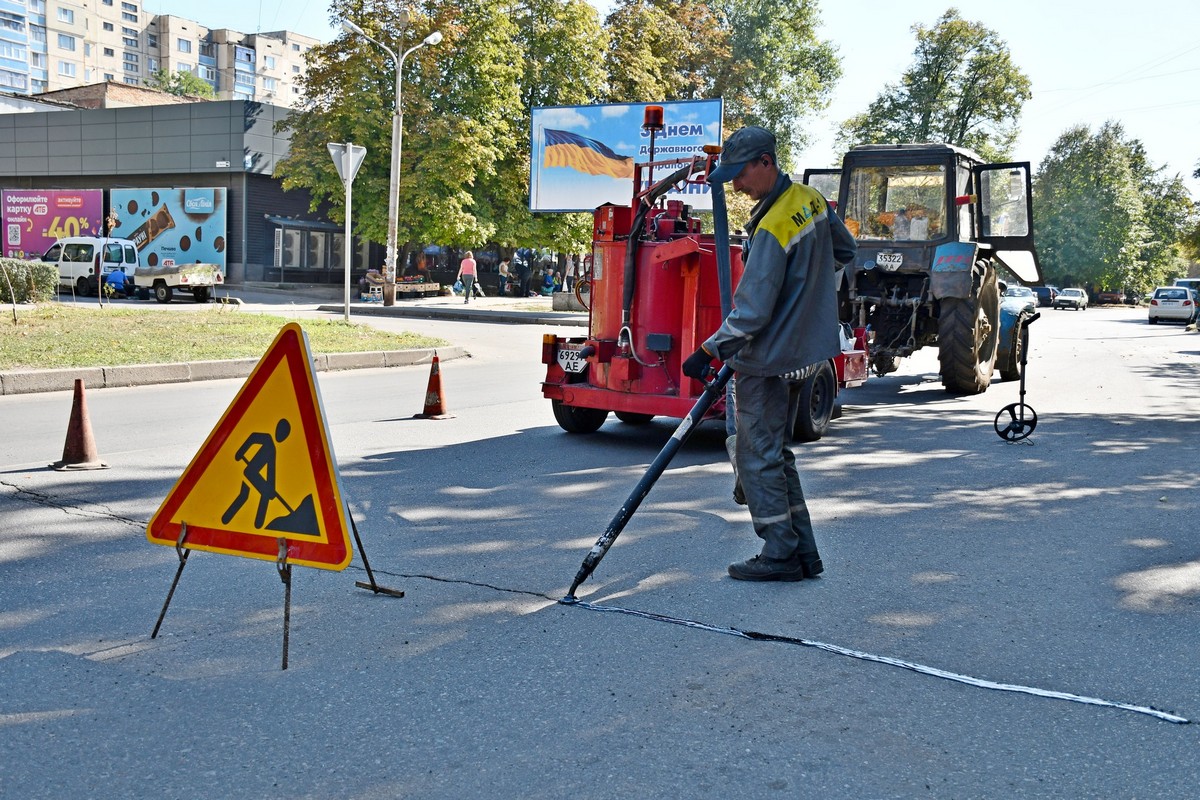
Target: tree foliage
point(465, 149)
point(762, 57)
point(1105, 217)
point(963, 88)
point(182, 84)
point(465, 165)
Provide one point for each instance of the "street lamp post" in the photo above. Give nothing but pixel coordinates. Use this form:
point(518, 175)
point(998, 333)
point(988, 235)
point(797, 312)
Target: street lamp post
point(389, 265)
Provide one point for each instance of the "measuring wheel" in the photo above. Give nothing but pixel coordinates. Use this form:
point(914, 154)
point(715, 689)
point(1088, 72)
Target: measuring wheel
point(1015, 421)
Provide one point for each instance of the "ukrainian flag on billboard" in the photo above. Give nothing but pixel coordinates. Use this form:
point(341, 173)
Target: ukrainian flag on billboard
point(566, 149)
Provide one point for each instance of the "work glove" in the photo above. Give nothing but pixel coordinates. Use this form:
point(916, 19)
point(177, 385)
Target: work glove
point(696, 365)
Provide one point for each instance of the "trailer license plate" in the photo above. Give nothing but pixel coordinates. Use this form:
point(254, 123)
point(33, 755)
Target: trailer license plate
point(889, 261)
point(570, 361)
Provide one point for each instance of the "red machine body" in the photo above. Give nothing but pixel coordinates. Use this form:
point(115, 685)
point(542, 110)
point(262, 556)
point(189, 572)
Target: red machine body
point(630, 361)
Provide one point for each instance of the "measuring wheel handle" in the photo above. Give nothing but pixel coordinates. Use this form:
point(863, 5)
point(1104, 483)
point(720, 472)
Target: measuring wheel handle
point(1015, 421)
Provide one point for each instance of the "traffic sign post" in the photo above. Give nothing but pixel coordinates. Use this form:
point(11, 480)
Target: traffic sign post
point(347, 158)
point(265, 483)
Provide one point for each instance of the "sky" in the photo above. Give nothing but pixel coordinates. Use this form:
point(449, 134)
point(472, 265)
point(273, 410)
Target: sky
point(1089, 62)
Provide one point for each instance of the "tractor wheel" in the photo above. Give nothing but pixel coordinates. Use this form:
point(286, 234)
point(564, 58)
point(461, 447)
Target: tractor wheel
point(816, 404)
point(575, 419)
point(968, 332)
point(200, 294)
point(162, 292)
point(1011, 371)
point(630, 418)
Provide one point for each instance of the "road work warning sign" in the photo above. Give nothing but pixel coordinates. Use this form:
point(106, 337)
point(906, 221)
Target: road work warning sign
point(266, 472)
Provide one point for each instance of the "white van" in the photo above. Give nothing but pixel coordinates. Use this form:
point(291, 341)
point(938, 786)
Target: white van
point(81, 259)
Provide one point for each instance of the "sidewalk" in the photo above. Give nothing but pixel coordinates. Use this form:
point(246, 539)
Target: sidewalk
point(326, 299)
point(513, 310)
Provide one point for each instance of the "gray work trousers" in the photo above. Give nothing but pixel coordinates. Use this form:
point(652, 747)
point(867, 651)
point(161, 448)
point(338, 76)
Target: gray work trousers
point(766, 466)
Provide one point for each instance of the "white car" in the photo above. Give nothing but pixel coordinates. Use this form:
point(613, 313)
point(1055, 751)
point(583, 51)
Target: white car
point(1072, 298)
point(1172, 303)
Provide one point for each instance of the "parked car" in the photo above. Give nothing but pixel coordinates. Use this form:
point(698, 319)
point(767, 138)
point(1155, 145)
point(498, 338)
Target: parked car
point(1023, 293)
point(1106, 296)
point(1176, 303)
point(1045, 294)
point(1072, 298)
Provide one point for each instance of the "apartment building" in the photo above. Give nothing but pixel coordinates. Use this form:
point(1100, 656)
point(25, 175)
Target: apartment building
point(47, 45)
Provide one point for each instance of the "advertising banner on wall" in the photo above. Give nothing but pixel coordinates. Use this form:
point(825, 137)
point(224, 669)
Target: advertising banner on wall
point(34, 219)
point(583, 156)
point(172, 226)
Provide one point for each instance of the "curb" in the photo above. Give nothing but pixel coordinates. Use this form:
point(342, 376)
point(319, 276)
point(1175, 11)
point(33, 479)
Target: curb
point(59, 380)
point(469, 315)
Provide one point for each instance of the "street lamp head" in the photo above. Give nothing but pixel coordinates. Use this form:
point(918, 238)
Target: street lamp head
point(350, 27)
point(433, 38)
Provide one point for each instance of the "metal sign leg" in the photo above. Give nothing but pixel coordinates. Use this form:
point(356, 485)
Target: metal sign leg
point(183, 553)
point(373, 586)
point(285, 575)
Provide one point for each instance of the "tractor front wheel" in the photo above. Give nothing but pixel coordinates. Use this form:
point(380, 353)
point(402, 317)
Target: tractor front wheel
point(576, 419)
point(968, 332)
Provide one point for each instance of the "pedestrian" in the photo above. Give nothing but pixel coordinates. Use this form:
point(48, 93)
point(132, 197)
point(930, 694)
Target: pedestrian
point(466, 274)
point(570, 272)
point(783, 325)
point(524, 274)
point(503, 279)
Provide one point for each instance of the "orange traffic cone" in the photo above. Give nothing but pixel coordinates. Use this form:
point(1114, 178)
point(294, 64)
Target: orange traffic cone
point(80, 450)
point(435, 407)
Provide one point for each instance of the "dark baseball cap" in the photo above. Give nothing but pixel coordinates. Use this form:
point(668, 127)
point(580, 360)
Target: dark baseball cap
point(743, 147)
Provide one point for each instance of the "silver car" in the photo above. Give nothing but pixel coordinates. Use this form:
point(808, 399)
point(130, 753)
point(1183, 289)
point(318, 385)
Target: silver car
point(1072, 298)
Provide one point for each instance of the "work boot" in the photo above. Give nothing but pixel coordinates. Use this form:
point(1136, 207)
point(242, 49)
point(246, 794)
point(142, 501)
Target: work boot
point(811, 564)
point(761, 568)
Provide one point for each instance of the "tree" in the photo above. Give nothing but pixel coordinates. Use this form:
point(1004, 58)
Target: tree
point(762, 57)
point(183, 84)
point(465, 157)
point(962, 88)
point(1104, 216)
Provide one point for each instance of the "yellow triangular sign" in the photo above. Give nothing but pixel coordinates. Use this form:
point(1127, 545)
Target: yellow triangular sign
point(266, 472)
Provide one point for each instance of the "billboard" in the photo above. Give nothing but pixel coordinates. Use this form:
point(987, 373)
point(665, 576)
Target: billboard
point(582, 157)
point(172, 226)
point(34, 219)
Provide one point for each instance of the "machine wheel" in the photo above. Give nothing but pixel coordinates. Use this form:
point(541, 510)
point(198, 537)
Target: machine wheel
point(162, 293)
point(1011, 371)
point(968, 332)
point(1153, 321)
point(816, 404)
point(82, 287)
point(630, 418)
point(575, 419)
point(200, 294)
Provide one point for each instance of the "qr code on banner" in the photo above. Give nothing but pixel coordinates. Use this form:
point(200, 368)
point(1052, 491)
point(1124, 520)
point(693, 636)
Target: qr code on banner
point(14, 233)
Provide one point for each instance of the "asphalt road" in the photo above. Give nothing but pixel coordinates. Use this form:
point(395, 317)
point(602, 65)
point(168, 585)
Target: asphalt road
point(1066, 563)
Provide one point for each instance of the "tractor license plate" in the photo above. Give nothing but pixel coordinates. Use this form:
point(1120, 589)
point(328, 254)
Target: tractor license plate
point(571, 361)
point(889, 261)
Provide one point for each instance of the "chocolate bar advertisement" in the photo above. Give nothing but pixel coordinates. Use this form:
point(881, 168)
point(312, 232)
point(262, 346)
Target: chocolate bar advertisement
point(172, 226)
